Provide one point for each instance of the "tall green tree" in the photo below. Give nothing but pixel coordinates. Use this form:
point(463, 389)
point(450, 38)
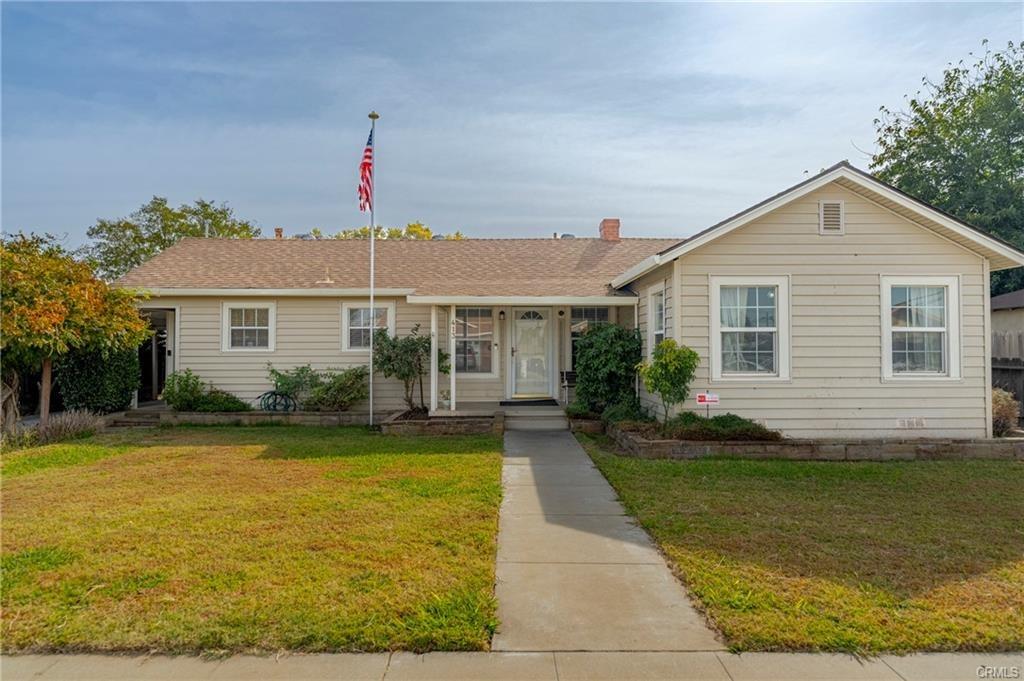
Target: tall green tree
point(51, 304)
point(120, 244)
point(959, 145)
point(413, 230)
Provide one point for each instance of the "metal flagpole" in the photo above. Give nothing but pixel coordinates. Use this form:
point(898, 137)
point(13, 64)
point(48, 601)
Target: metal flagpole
point(373, 201)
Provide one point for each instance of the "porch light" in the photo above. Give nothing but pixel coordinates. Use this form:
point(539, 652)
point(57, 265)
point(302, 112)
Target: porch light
point(501, 315)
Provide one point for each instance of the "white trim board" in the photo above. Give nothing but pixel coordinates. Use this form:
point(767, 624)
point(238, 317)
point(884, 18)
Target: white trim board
point(225, 324)
point(523, 301)
point(783, 346)
point(954, 359)
point(347, 305)
point(273, 292)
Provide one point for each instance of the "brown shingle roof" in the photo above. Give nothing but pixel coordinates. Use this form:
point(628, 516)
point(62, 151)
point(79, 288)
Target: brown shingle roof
point(471, 267)
point(1008, 301)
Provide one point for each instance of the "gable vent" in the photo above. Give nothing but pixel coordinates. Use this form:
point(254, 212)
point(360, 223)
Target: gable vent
point(831, 218)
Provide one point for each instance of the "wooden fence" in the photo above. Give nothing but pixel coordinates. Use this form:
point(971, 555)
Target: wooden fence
point(1008, 363)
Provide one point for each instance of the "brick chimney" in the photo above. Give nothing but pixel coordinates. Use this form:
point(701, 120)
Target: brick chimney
point(609, 229)
point(278, 232)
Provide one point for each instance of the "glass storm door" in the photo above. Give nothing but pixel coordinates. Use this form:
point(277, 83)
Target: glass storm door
point(530, 352)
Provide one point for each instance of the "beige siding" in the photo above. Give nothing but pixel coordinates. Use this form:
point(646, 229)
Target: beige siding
point(308, 331)
point(836, 388)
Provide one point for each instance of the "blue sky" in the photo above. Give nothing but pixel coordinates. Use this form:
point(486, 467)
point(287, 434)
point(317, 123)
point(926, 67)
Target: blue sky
point(497, 120)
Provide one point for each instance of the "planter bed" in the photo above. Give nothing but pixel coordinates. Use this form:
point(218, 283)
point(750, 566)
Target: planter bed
point(635, 445)
point(400, 424)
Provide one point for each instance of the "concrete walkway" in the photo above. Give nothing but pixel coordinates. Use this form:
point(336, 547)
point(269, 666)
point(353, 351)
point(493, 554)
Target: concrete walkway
point(574, 572)
point(519, 667)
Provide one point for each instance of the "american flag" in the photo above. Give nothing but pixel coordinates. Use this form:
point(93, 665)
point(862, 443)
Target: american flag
point(366, 177)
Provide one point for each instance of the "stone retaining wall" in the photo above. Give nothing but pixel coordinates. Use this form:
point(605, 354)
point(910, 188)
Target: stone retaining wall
point(591, 426)
point(632, 444)
point(252, 418)
point(445, 425)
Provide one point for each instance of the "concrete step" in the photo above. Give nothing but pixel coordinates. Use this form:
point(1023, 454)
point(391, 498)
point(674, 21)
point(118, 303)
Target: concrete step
point(536, 422)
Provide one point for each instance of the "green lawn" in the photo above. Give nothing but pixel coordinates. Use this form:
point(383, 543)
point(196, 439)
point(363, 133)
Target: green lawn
point(265, 538)
point(861, 557)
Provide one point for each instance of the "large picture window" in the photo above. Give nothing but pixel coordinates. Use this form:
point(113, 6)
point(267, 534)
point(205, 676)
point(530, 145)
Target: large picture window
point(358, 323)
point(248, 327)
point(921, 327)
point(750, 328)
point(581, 319)
point(474, 340)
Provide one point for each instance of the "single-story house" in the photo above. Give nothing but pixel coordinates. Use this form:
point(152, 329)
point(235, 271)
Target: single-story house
point(840, 307)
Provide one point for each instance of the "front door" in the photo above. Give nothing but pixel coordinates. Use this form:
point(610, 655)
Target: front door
point(531, 356)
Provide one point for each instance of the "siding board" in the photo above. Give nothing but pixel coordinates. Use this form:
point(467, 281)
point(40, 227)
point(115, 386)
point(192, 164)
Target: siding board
point(836, 388)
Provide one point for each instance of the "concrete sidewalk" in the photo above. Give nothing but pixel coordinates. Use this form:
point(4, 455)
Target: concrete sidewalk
point(575, 573)
point(536, 666)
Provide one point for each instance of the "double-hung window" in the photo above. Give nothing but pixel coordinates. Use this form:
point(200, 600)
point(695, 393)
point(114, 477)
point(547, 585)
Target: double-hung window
point(920, 318)
point(248, 327)
point(656, 318)
point(750, 327)
point(358, 323)
point(581, 319)
point(474, 340)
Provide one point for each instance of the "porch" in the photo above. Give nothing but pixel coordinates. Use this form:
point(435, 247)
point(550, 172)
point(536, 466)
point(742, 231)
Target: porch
point(511, 351)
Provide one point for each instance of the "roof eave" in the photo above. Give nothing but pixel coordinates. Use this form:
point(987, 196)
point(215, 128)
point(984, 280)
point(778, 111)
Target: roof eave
point(1001, 255)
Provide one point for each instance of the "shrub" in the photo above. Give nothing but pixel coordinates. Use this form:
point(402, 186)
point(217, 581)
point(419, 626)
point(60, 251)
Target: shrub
point(339, 391)
point(183, 391)
point(670, 373)
point(68, 425)
point(629, 409)
point(577, 410)
point(690, 426)
point(606, 359)
point(98, 381)
point(297, 383)
point(220, 400)
point(1005, 412)
point(65, 425)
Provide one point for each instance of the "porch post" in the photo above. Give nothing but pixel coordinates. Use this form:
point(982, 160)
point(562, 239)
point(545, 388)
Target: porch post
point(451, 353)
point(433, 358)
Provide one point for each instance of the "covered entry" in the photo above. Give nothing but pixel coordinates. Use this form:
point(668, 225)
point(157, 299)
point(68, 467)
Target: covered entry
point(505, 349)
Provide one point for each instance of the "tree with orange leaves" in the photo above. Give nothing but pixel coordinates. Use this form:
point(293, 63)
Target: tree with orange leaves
point(52, 304)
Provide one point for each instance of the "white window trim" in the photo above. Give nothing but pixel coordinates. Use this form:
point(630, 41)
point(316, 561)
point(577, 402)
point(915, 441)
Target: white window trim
point(495, 349)
point(354, 304)
point(225, 324)
point(651, 292)
point(953, 341)
point(821, 217)
point(782, 316)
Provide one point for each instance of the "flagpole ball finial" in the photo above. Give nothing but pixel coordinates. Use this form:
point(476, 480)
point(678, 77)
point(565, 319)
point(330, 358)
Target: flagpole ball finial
point(374, 115)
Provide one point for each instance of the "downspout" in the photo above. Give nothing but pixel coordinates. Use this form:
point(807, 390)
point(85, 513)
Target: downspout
point(636, 325)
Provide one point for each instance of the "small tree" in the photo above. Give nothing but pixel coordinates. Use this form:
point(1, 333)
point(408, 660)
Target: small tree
point(670, 373)
point(52, 304)
point(406, 358)
point(606, 359)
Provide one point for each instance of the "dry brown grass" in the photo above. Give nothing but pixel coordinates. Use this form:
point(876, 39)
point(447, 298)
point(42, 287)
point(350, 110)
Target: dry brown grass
point(251, 538)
